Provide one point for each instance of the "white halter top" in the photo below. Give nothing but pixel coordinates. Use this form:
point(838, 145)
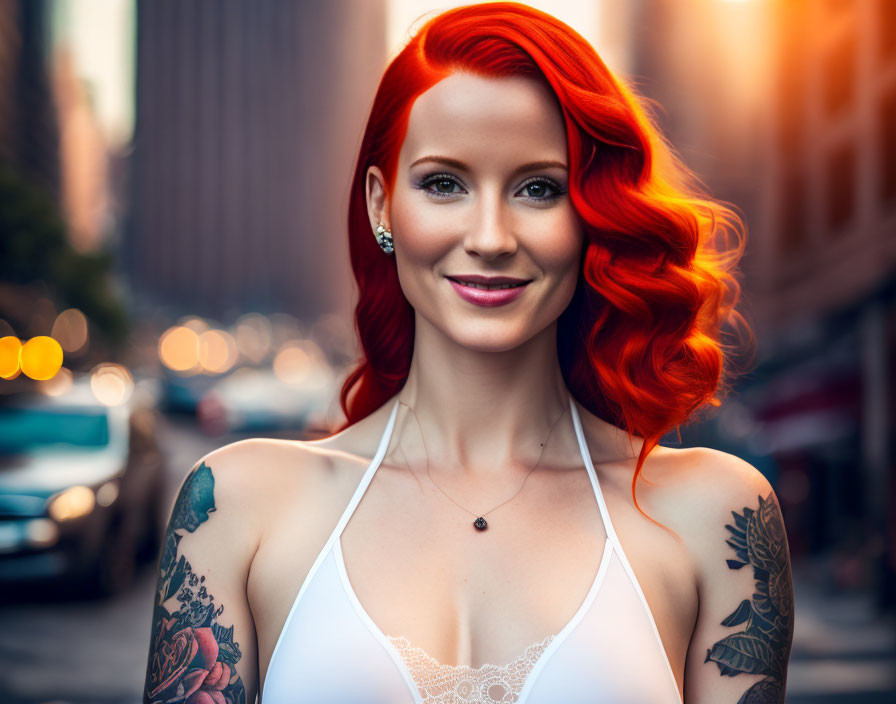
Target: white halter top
point(331, 652)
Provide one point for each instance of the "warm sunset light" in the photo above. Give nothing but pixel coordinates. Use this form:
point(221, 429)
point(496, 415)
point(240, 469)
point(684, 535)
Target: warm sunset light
point(403, 16)
point(40, 357)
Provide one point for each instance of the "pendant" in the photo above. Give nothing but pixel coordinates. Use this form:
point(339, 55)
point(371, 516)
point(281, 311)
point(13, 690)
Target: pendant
point(480, 523)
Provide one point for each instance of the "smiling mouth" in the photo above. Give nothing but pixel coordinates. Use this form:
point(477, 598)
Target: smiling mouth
point(488, 287)
point(495, 287)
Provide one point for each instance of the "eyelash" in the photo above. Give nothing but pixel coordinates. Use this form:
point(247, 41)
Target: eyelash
point(436, 178)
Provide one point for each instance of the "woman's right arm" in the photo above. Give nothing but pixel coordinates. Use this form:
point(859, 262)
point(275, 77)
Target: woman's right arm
point(202, 645)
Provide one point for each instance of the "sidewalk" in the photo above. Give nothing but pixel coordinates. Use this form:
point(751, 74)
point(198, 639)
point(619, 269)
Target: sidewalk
point(843, 652)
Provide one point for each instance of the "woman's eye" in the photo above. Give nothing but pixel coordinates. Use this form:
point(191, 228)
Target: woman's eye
point(444, 186)
point(440, 185)
point(542, 189)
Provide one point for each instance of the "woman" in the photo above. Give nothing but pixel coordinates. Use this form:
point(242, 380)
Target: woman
point(539, 303)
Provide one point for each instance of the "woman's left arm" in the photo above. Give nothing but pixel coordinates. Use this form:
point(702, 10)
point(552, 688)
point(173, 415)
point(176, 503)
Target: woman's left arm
point(741, 643)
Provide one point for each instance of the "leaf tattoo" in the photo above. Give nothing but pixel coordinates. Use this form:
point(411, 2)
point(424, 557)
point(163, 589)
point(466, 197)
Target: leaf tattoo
point(192, 657)
point(762, 647)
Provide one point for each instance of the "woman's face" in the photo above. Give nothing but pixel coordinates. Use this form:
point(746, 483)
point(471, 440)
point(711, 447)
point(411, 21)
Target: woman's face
point(482, 190)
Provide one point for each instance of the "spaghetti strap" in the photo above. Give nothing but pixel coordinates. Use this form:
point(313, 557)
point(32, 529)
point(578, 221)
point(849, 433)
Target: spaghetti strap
point(368, 475)
point(614, 538)
point(592, 474)
point(334, 536)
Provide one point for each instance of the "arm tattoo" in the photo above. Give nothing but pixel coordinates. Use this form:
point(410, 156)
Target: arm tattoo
point(762, 647)
point(192, 657)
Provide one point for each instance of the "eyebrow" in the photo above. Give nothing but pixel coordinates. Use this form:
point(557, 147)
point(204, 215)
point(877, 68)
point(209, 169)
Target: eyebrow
point(533, 166)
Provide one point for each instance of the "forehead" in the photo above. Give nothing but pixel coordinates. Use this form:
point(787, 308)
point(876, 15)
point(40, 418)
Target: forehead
point(483, 119)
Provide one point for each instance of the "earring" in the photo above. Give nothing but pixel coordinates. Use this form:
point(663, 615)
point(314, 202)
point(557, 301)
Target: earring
point(384, 239)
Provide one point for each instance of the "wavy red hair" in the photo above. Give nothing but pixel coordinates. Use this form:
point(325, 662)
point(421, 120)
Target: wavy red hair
point(640, 344)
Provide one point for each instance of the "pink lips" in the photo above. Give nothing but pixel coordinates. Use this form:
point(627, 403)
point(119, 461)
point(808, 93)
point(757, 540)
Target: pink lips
point(486, 297)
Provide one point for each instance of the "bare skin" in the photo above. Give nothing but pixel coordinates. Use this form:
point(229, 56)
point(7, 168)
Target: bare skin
point(486, 387)
point(420, 569)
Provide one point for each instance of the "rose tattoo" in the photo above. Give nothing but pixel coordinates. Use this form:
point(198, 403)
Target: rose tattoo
point(192, 657)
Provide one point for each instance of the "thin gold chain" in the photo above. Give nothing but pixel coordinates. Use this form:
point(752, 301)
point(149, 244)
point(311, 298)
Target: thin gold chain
point(543, 445)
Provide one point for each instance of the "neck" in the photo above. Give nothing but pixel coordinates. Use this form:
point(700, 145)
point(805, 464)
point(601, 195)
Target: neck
point(483, 412)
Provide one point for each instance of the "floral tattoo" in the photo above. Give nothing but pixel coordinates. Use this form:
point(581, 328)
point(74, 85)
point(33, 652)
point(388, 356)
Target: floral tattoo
point(763, 646)
point(192, 657)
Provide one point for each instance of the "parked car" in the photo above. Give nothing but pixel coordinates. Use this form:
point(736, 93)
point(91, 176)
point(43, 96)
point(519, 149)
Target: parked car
point(82, 490)
point(256, 400)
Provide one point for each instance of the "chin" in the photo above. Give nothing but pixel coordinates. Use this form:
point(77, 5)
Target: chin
point(491, 336)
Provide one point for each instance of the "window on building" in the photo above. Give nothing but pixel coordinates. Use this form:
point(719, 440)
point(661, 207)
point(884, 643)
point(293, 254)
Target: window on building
point(887, 127)
point(840, 185)
point(840, 74)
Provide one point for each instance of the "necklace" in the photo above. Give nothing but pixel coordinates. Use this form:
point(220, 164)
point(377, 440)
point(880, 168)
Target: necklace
point(480, 523)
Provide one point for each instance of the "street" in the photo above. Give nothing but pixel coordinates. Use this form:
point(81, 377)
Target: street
point(94, 652)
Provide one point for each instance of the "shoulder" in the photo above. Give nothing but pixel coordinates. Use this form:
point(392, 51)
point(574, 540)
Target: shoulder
point(705, 491)
point(702, 481)
point(247, 467)
point(241, 484)
point(704, 466)
point(731, 522)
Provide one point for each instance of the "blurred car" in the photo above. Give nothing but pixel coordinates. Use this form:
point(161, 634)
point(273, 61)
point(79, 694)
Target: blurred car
point(82, 490)
point(253, 400)
point(182, 394)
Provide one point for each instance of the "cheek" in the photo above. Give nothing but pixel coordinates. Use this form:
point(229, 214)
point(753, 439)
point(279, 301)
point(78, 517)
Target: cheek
point(559, 245)
point(426, 234)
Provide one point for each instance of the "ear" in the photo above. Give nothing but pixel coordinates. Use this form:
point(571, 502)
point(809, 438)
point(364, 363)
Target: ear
point(377, 198)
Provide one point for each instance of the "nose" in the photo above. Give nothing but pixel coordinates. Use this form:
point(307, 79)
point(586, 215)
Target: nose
point(490, 234)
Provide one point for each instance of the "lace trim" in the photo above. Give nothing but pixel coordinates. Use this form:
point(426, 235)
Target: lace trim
point(486, 684)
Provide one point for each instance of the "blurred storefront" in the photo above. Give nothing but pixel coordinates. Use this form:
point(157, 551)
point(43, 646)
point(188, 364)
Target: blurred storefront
point(827, 291)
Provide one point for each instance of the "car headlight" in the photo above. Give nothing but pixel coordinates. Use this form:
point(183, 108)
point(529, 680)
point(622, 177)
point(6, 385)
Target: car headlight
point(72, 503)
point(41, 533)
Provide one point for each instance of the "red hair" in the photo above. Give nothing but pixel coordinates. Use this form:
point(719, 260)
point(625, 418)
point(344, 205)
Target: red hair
point(640, 343)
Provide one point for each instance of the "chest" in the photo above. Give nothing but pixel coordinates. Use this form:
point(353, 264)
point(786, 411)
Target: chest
point(416, 567)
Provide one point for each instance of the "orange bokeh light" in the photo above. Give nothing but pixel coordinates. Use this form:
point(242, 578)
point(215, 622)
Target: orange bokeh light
point(40, 358)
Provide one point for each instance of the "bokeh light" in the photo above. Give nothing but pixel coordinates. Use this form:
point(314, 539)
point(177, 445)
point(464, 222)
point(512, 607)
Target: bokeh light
point(58, 385)
point(253, 333)
point(9, 356)
point(70, 329)
point(217, 351)
point(179, 349)
point(301, 362)
point(40, 357)
point(72, 503)
point(111, 384)
point(292, 364)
